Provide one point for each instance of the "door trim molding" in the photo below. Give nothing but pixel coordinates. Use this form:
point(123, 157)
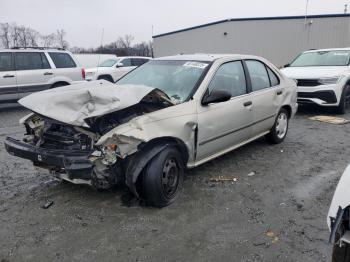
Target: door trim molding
point(235, 130)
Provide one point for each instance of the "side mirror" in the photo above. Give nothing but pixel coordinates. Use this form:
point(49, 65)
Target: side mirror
point(119, 65)
point(216, 96)
point(286, 65)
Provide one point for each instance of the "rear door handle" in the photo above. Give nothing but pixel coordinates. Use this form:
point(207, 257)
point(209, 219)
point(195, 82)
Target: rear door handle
point(48, 74)
point(8, 76)
point(248, 103)
point(279, 92)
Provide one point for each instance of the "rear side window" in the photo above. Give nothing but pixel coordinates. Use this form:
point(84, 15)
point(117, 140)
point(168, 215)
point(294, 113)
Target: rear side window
point(138, 61)
point(6, 62)
point(62, 60)
point(273, 78)
point(31, 61)
point(258, 75)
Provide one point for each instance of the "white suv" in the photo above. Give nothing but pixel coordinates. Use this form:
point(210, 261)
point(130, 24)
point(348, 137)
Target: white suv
point(323, 77)
point(24, 71)
point(113, 69)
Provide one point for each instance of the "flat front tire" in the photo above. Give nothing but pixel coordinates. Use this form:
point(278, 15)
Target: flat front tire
point(162, 179)
point(280, 128)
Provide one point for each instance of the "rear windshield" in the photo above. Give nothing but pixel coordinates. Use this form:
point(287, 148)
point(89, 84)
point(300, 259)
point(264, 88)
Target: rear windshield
point(322, 58)
point(62, 60)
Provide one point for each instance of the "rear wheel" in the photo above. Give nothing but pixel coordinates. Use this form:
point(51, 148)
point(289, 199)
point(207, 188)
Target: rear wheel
point(344, 100)
point(162, 179)
point(280, 129)
point(59, 84)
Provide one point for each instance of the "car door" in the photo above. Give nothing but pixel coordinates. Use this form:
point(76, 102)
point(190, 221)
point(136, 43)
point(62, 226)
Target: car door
point(266, 95)
point(34, 72)
point(221, 126)
point(126, 68)
point(65, 67)
point(8, 83)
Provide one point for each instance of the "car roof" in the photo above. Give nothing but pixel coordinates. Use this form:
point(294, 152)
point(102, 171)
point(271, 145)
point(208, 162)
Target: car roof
point(34, 50)
point(144, 57)
point(328, 49)
point(206, 57)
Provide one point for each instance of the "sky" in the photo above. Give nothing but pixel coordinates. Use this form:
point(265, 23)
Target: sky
point(84, 20)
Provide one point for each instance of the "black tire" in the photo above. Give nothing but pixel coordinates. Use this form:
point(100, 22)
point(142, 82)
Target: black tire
point(275, 136)
point(59, 84)
point(162, 178)
point(106, 77)
point(341, 254)
point(344, 100)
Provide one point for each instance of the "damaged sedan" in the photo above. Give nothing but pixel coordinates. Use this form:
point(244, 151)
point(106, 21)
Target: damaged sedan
point(168, 115)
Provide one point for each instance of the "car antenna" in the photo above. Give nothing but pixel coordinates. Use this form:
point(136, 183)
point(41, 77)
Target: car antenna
point(99, 55)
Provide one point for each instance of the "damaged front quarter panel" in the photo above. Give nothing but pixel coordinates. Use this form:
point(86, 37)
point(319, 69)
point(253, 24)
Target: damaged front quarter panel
point(139, 140)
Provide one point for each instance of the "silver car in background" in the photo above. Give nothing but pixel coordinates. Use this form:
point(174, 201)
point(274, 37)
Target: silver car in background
point(167, 115)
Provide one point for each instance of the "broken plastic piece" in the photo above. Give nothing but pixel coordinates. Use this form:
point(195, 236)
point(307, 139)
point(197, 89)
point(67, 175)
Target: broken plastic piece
point(47, 205)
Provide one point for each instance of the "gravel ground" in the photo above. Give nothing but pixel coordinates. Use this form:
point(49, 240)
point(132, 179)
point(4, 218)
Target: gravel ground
point(278, 214)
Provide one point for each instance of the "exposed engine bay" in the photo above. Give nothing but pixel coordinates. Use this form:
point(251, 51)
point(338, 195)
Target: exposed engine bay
point(70, 151)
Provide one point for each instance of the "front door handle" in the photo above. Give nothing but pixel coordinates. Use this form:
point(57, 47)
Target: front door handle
point(8, 76)
point(48, 74)
point(248, 103)
point(279, 92)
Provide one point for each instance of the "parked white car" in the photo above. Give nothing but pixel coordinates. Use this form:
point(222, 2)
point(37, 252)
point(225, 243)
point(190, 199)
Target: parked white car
point(166, 115)
point(339, 219)
point(24, 71)
point(114, 68)
point(323, 77)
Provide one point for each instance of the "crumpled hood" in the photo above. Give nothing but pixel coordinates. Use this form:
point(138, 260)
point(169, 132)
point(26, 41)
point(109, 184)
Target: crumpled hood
point(74, 103)
point(313, 72)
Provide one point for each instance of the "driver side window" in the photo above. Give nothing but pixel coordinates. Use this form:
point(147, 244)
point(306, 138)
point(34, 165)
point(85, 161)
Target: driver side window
point(229, 77)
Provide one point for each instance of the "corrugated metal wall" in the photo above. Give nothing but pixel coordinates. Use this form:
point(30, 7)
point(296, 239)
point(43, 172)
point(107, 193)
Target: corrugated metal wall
point(277, 40)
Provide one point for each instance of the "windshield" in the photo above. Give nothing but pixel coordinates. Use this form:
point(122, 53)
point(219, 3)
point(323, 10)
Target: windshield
point(175, 78)
point(109, 63)
point(323, 58)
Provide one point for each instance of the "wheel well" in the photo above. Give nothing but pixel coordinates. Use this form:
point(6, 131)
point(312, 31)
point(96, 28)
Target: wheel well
point(289, 110)
point(179, 144)
point(105, 76)
point(60, 83)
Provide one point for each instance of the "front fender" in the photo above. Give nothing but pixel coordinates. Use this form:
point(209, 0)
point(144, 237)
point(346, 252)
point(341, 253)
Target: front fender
point(341, 198)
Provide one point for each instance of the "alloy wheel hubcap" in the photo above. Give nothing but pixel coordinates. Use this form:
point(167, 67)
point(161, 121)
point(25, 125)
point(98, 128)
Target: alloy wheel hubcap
point(281, 125)
point(170, 177)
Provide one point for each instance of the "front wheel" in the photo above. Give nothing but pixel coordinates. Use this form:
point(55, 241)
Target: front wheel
point(280, 129)
point(344, 100)
point(162, 179)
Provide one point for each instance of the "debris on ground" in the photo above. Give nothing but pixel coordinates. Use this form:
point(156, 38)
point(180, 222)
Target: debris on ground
point(330, 119)
point(251, 174)
point(47, 205)
point(273, 236)
point(223, 179)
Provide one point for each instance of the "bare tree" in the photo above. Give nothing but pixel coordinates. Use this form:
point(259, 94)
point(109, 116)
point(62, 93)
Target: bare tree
point(48, 40)
point(5, 35)
point(60, 34)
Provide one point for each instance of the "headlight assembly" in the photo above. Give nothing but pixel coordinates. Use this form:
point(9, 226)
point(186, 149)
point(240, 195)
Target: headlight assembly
point(330, 80)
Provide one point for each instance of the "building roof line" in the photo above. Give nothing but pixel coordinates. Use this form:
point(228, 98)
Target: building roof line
point(252, 19)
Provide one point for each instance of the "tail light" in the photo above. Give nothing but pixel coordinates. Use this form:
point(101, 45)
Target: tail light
point(83, 73)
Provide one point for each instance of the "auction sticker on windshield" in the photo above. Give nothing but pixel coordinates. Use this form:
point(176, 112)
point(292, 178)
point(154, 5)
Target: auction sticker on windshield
point(196, 65)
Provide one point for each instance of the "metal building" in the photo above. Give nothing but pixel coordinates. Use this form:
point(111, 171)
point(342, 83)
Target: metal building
point(279, 39)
